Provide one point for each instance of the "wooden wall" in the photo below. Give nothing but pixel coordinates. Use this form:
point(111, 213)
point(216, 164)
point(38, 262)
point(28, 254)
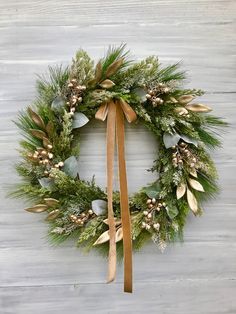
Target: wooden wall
point(197, 277)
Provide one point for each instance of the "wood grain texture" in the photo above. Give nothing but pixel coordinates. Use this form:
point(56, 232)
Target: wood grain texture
point(197, 276)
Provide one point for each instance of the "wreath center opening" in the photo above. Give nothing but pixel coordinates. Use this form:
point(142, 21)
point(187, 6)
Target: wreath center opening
point(141, 149)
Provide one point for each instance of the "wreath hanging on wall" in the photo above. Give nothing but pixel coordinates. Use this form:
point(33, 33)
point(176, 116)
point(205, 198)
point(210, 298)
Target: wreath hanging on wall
point(115, 90)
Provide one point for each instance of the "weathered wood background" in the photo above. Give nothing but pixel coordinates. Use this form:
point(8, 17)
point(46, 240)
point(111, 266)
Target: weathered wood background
point(198, 276)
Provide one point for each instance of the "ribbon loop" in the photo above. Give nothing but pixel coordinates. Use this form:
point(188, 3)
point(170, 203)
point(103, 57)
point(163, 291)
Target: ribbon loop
point(115, 111)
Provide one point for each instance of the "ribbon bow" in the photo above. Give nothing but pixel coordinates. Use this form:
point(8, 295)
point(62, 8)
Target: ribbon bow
point(115, 111)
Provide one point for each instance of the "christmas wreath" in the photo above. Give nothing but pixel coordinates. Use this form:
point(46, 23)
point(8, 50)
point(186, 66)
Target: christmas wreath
point(116, 89)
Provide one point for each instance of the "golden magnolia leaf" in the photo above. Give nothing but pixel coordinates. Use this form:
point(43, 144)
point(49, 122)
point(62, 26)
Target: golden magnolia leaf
point(53, 215)
point(107, 83)
point(180, 191)
point(117, 221)
point(181, 111)
point(98, 71)
point(196, 185)
point(112, 69)
point(119, 234)
point(38, 133)
point(46, 142)
point(198, 108)
point(193, 173)
point(51, 201)
point(36, 118)
point(104, 237)
point(192, 201)
point(185, 99)
point(173, 100)
point(37, 208)
point(50, 128)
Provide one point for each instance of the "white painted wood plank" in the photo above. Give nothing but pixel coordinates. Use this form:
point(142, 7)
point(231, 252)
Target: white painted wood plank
point(165, 297)
point(65, 265)
point(85, 13)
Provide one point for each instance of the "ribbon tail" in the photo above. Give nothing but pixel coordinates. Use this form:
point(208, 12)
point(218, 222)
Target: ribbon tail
point(111, 119)
point(124, 201)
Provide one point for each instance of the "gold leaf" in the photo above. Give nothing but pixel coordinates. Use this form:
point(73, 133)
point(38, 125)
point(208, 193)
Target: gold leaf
point(117, 221)
point(193, 173)
point(50, 128)
point(98, 71)
point(112, 69)
point(198, 108)
point(51, 201)
point(181, 111)
point(180, 191)
point(107, 83)
point(195, 185)
point(53, 215)
point(173, 100)
point(192, 201)
point(104, 237)
point(46, 142)
point(185, 99)
point(36, 118)
point(119, 234)
point(37, 208)
point(38, 133)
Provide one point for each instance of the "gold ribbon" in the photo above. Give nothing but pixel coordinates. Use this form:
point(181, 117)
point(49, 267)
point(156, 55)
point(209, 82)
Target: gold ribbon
point(115, 111)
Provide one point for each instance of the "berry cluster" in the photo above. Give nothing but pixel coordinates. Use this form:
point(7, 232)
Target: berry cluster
point(82, 218)
point(155, 94)
point(74, 95)
point(154, 206)
point(44, 157)
point(182, 153)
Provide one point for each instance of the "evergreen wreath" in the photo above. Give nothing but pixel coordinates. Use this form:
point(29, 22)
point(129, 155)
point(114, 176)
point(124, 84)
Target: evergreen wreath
point(68, 98)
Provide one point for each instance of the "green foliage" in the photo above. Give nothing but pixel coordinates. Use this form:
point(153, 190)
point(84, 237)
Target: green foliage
point(53, 84)
point(82, 67)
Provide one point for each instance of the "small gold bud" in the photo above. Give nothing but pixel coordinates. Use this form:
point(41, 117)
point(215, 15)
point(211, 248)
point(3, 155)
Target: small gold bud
point(156, 226)
point(143, 224)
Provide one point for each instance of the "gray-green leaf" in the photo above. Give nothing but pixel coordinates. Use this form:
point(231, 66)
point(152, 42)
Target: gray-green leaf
point(189, 140)
point(99, 207)
point(46, 183)
point(71, 166)
point(141, 93)
point(171, 139)
point(58, 103)
point(153, 190)
point(79, 120)
point(172, 211)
